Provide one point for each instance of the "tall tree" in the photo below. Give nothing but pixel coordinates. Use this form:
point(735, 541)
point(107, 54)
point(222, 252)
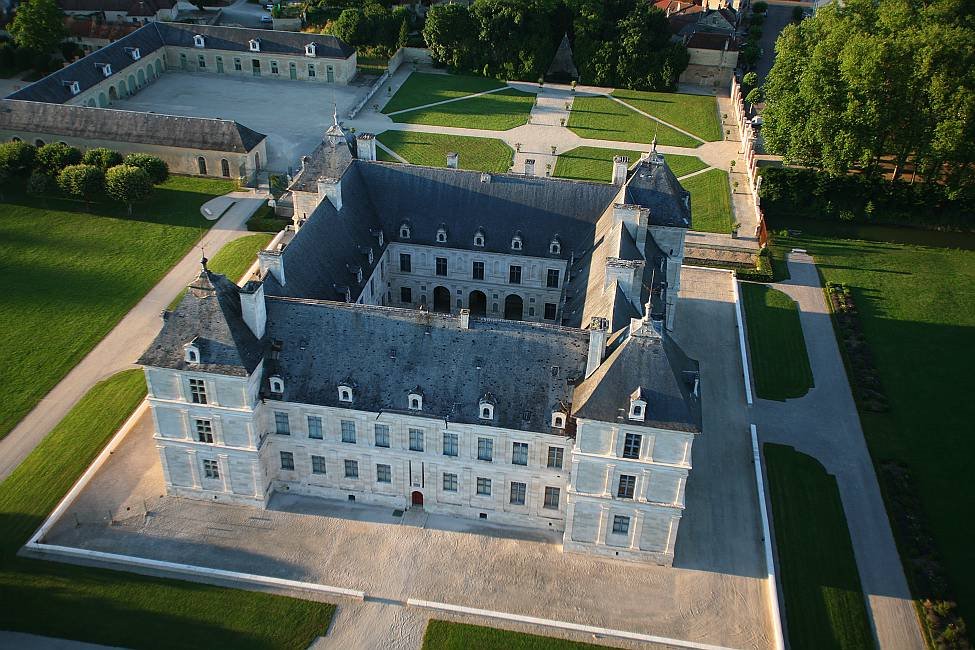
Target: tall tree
point(127, 184)
point(39, 26)
point(83, 182)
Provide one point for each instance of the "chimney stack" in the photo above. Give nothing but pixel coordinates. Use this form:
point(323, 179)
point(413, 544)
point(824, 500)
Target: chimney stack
point(529, 167)
point(598, 334)
point(453, 160)
point(620, 165)
point(465, 319)
point(252, 307)
point(365, 146)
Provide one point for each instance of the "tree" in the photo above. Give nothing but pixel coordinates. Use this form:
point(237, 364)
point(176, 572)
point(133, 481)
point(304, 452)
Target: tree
point(750, 80)
point(17, 158)
point(753, 97)
point(451, 36)
point(404, 33)
point(127, 184)
point(102, 157)
point(157, 169)
point(39, 25)
point(41, 185)
point(53, 157)
point(83, 182)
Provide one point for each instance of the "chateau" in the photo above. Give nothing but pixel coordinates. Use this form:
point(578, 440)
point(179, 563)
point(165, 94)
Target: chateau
point(491, 346)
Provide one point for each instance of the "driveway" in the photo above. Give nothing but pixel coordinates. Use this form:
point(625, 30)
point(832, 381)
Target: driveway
point(244, 14)
point(776, 18)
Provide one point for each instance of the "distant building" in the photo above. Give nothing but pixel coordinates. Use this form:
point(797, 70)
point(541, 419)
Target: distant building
point(713, 59)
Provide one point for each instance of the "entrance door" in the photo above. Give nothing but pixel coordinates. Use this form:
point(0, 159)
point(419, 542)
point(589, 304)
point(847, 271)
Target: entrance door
point(513, 307)
point(256, 65)
point(293, 71)
point(220, 64)
point(330, 74)
point(441, 300)
point(417, 498)
point(478, 303)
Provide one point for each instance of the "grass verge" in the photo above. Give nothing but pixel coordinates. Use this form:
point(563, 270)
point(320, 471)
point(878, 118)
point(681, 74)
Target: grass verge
point(446, 635)
point(497, 111)
point(697, 114)
point(602, 118)
point(776, 346)
point(264, 220)
point(480, 154)
point(233, 260)
point(423, 88)
point(596, 163)
point(710, 201)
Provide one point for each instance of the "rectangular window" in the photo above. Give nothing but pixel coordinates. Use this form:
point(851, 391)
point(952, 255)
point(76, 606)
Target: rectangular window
point(517, 493)
point(552, 498)
point(485, 449)
point(384, 474)
point(484, 486)
point(555, 457)
point(348, 431)
point(274, 67)
point(550, 310)
point(287, 460)
point(211, 469)
point(450, 444)
point(382, 435)
point(621, 525)
point(314, 427)
point(237, 65)
point(405, 295)
point(198, 391)
point(281, 424)
point(626, 487)
point(351, 469)
point(202, 61)
point(514, 274)
point(405, 262)
point(204, 431)
point(631, 445)
point(449, 482)
point(416, 440)
point(317, 464)
point(442, 266)
point(311, 70)
point(519, 453)
point(552, 280)
point(478, 271)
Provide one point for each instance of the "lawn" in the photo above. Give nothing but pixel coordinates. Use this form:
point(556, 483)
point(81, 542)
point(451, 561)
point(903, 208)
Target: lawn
point(824, 605)
point(480, 154)
point(776, 346)
point(234, 259)
point(80, 273)
point(498, 111)
point(423, 88)
point(112, 607)
point(710, 201)
point(596, 163)
point(697, 114)
point(601, 118)
point(915, 291)
point(445, 635)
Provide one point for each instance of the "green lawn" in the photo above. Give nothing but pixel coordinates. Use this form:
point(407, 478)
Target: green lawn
point(423, 88)
point(697, 114)
point(824, 604)
point(234, 259)
point(596, 163)
point(481, 154)
point(445, 635)
point(113, 607)
point(710, 201)
point(602, 118)
point(915, 291)
point(777, 348)
point(498, 111)
point(74, 274)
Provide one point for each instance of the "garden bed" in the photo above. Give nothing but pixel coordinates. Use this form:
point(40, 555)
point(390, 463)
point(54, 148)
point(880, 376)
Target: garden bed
point(863, 370)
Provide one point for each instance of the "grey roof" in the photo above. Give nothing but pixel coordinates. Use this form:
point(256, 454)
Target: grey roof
point(527, 368)
point(208, 316)
point(237, 39)
point(329, 160)
point(562, 66)
point(127, 126)
point(114, 5)
point(654, 186)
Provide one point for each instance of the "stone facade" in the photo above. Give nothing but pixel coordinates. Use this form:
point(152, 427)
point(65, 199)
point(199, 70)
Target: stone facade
point(261, 64)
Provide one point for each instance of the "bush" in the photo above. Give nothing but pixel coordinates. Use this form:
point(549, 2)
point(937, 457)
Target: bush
point(757, 19)
point(24, 58)
point(127, 184)
point(157, 169)
point(762, 271)
point(102, 157)
point(8, 56)
point(760, 7)
point(17, 158)
point(83, 182)
point(264, 220)
point(41, 184)
point(53, 157)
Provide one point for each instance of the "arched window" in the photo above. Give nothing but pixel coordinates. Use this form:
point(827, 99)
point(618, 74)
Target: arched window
point(486, 413)
point(479, 238)
point(38, 143)
point(516, 243)
point(277, 384)
point(15, 139)
point(201, 163)
point(555, 246)
point(442, 235)
point(558, 420)
point(225, 167)
point(404, 231)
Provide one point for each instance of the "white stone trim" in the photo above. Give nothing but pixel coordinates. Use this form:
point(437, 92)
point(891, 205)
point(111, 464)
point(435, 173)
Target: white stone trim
point(741, 341)
point(773, 591)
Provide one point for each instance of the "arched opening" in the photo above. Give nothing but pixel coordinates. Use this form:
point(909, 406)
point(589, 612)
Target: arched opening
point(441, 300)
point(132, 86)
point(225, 167)
point(514, 307)
point(102, 100)
point(142, 78)
point(15, 139)
point(90, 102)
point(38, 143)
point(158, 67)
point(112, 94)
point(201, 163)
point(477, 303)
point(150, 72)
point(122, 92)
point(417, 498)
point(257, 160)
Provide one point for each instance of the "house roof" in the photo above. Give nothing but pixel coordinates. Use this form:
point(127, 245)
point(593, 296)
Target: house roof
point(237, 39)
point(653, 185)
point(712, 41)
point(117, 5)
point(86, 28)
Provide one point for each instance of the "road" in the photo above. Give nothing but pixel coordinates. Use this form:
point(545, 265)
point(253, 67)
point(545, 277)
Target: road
point(244, 14)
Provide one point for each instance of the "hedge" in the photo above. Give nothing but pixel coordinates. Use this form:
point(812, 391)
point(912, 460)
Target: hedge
point(762, 272)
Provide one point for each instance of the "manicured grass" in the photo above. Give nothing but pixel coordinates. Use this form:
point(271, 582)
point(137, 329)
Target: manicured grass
point(710, 201)
point(423, 88)
point(777, 348)
point(596, 163)
point(264, 220)
point(73, 274)
point(697, 114)
point(824, 604)
point(446, 635)
point(601, 118)
point(481, 154)
point(233, 260)
point(915, 292)
point(498, 111)
point(112, 607)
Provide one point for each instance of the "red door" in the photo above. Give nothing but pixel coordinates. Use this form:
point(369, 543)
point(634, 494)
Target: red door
point(417, 498)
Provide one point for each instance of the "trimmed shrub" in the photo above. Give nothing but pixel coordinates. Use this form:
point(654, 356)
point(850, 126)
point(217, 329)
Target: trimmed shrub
point(83, 182)
point(127, 184)
point(17, 158)
point(760, 7)
point(53, 157)
point(157, 169)
point(41, 184)
point(102, 157)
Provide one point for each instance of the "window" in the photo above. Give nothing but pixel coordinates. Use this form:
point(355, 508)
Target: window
point(204, 431)
point(224, 168)
point(274, 67)
point(555, 247)
point(558, 420)
point(314, 427)
point(416, 440)
point(479, 238)
point(345, 394)
point(626, 487)
point(404, 231)
point(237, 66)
point(552, 280)
point(441, 235)
point(201, 61)
point(631, 445)
point(478, 271)
point(514, 274)
point(485, 449)
point(255, 45)
point(201, 165)
point(404, 262)
point(484, 486)
point(384, 474)
point(519, 453)
point(555, 455)
point(450, 444)
point(382, 435)
point(550, 310)
point(486, 412)
point(198, 391)
point(210, 469)
point(449, 482)
point(621, 525)
point(348, 431)
point(351, 469)
point(416, 400)
point(287, 460)
point(198, 41)
point(281, 424)
point(405, 295)
point(517, 494)
point(317, 464)
point(442, 266)
point(516, 243)
point(552, 498)
point(311, 70)
point(310, 49)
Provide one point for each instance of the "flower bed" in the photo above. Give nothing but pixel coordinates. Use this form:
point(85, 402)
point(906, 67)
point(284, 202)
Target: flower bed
point(863, 371)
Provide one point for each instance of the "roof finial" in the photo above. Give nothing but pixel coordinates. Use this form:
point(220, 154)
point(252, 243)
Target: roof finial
point(335, 113)
point(204, 260)
point(653, 145)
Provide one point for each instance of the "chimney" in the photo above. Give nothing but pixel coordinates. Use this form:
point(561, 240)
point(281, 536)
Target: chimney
point(636, 219)
point(272, 262)
point(453, 160)
point(465, 319)
point(529, 167)
point(365, 146)
point(598, 333)
point(252, 307)
point(331, 188)
point(620, 165)
point(629, 274)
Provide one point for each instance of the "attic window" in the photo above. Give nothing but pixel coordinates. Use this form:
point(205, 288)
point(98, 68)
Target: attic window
point(516, 243)
point(192, 354)
point(555, 246)
point(415, 400)
point(135, 53)
point(486, 407)
point(638, 405)
point(558, 420)
point(277, 384)
point(404, 231)
point(73, 86)
point(441, 235)
point(255, 44)
point(310, 49)
point(371, 257)
point(479, 237)
point(106, 69)
point(198, 41)
point(345, 393)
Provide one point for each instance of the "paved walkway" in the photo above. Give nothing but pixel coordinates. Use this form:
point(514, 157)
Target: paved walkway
point(825, 425)
point(123, 345)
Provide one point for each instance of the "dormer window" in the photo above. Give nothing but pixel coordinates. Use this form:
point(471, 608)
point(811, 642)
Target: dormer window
point(442, 234)
point(555, 246)
point(345, 392)
point(106, 69)
point(276, 384)
point(310, 49)
point(198, 41)
point(415, 399)
point(372, 257)
point(558, 420)
point(516, 243)
point(479, 238)
point(73, 86)
point(485, 407)
point(254, 44)
point(404, 231)
point(638, 405)
point(134, 52)
point(191, 354)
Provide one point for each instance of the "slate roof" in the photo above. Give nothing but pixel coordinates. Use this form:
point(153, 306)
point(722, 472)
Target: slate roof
point(81, 28)
point(711, 41)
point(654, 186)
point(114, 5)
point(237, 39)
